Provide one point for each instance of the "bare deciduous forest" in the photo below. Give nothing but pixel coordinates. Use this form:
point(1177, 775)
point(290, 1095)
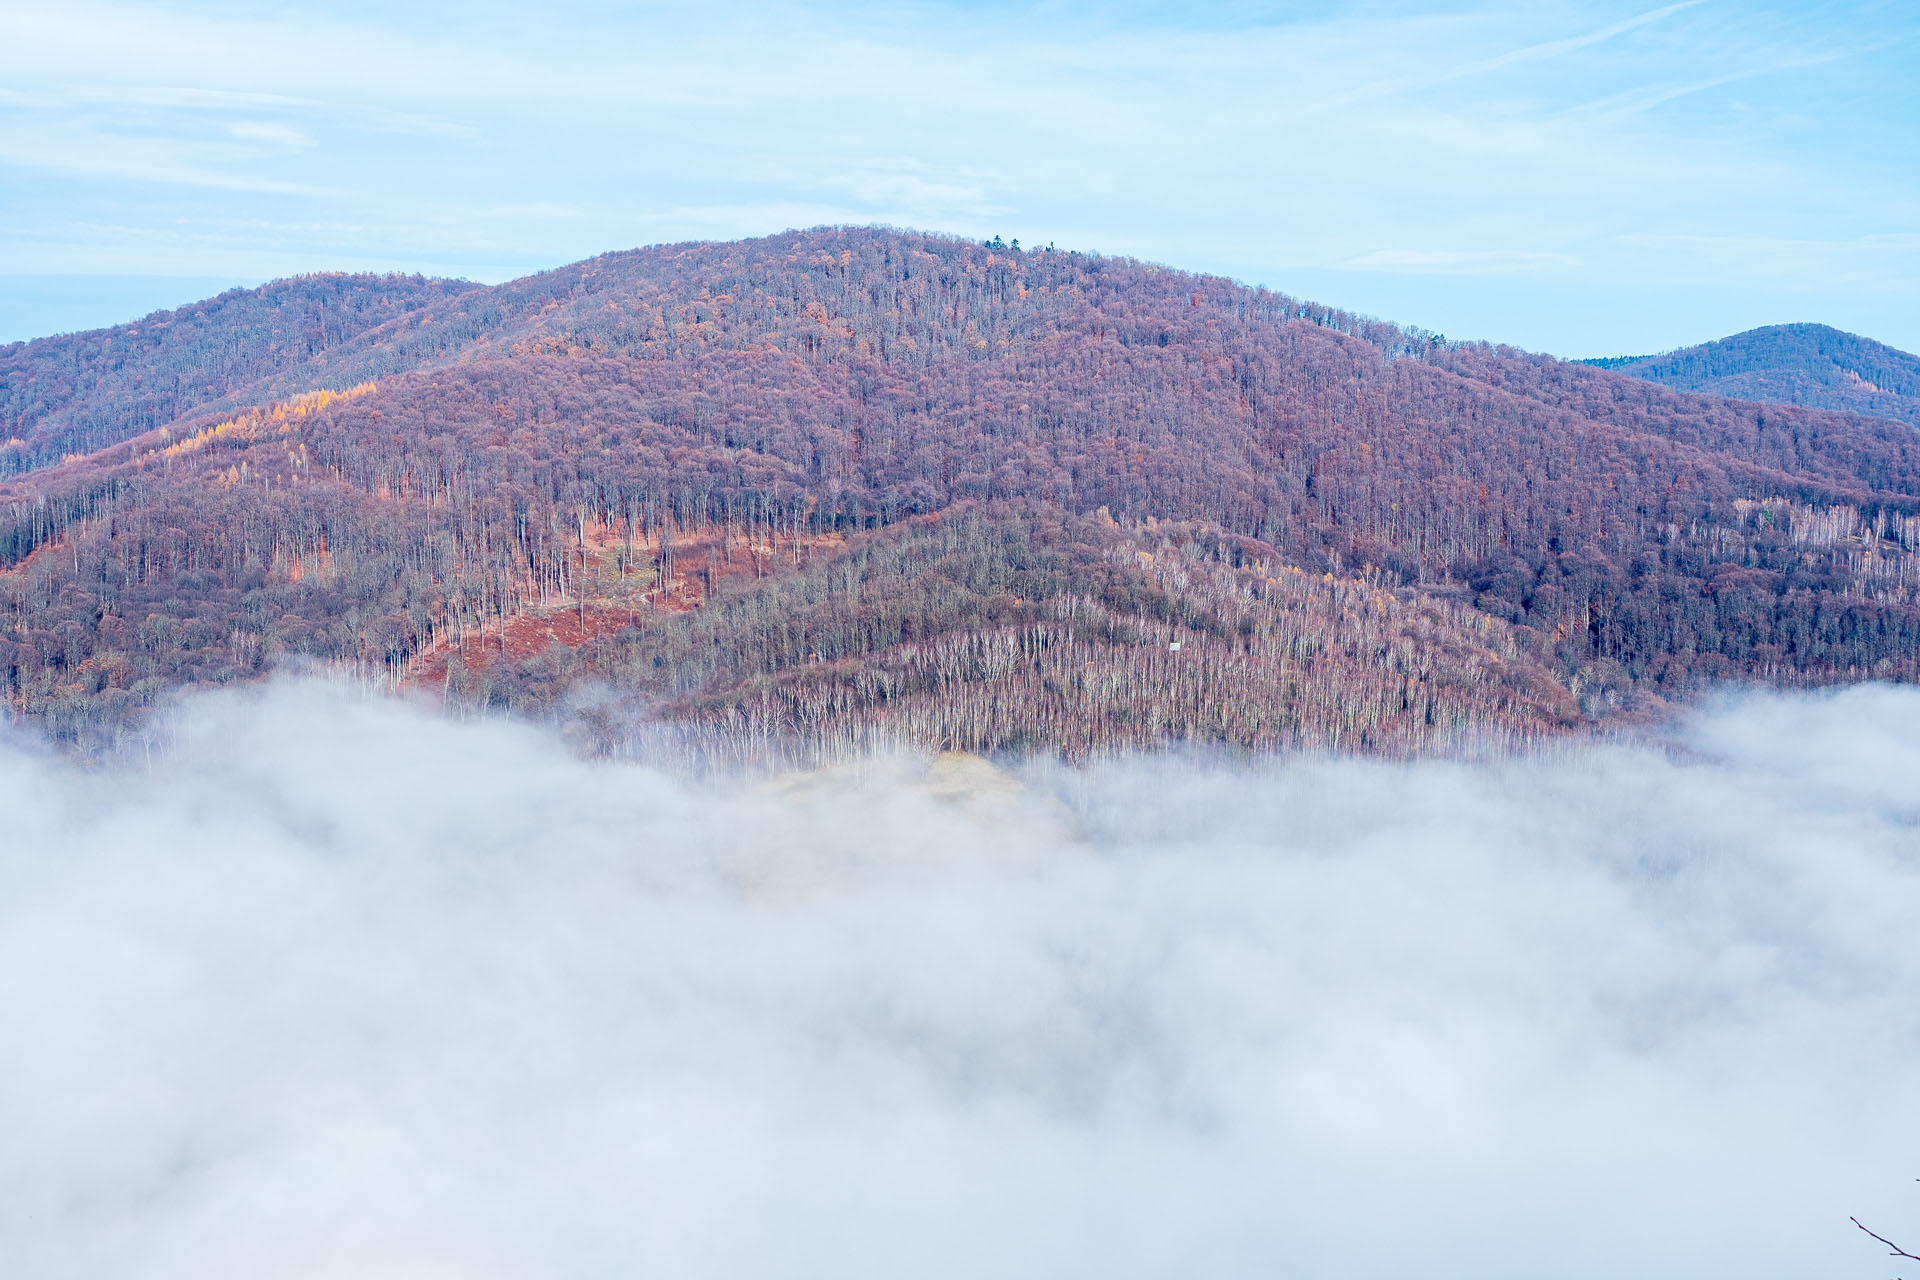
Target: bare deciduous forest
point(842, 487)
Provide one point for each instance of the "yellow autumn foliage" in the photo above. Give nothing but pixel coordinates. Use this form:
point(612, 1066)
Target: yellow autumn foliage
point(257, 423)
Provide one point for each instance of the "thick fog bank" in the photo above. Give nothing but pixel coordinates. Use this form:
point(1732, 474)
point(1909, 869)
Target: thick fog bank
point(341, 990)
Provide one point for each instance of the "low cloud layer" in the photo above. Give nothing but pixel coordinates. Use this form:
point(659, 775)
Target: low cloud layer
point(340, 989)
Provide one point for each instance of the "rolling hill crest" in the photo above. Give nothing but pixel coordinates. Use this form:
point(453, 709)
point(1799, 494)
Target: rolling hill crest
point(846, 487)
point(1803, 364)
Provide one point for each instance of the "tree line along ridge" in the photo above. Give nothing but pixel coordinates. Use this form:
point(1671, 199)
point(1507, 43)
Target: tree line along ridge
point(845, 487)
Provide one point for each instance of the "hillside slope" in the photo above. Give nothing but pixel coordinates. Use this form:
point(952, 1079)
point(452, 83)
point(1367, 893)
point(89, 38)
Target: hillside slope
point(720, 484)
point(80, 392)
point(1803, 364)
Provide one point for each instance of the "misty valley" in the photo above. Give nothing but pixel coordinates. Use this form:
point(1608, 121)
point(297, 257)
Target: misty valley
point(342, 981)
point(869, 752)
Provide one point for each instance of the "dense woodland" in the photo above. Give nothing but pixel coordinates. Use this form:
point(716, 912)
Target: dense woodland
point(840, 487)
point(77, 393)
point(1804, 364)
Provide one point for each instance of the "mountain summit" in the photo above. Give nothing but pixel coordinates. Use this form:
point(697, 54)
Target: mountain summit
point(847, 486)
point(1804, 364)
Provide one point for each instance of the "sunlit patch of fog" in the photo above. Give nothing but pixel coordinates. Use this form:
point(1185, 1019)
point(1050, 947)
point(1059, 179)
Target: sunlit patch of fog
point(337, 988)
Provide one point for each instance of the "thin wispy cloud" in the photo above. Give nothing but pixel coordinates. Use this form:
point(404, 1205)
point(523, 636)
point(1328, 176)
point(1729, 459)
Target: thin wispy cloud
point(1540, 52)
point(1307, 153)
point(1857, 262)
point(1553, 48)
point(1637, 101)
point(225, 100)
point(1474, 262)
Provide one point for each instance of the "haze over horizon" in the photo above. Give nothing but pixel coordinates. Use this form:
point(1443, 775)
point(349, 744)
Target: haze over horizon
point(1585, 179)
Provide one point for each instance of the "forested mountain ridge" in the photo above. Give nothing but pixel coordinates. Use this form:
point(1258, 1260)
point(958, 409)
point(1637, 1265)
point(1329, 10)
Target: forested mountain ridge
point(80, 392)
point(724, 482)
point(1803, 364)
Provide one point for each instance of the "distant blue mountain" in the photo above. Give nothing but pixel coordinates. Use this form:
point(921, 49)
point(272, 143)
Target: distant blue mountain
point(1804, 364)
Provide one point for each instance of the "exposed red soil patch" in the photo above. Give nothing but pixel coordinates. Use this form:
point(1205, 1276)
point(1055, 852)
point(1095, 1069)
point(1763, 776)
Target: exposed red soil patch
point(699, 565)
point(524, 636)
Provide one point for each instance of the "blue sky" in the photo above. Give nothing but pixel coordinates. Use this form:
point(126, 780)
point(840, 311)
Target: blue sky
point(1585, 179)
